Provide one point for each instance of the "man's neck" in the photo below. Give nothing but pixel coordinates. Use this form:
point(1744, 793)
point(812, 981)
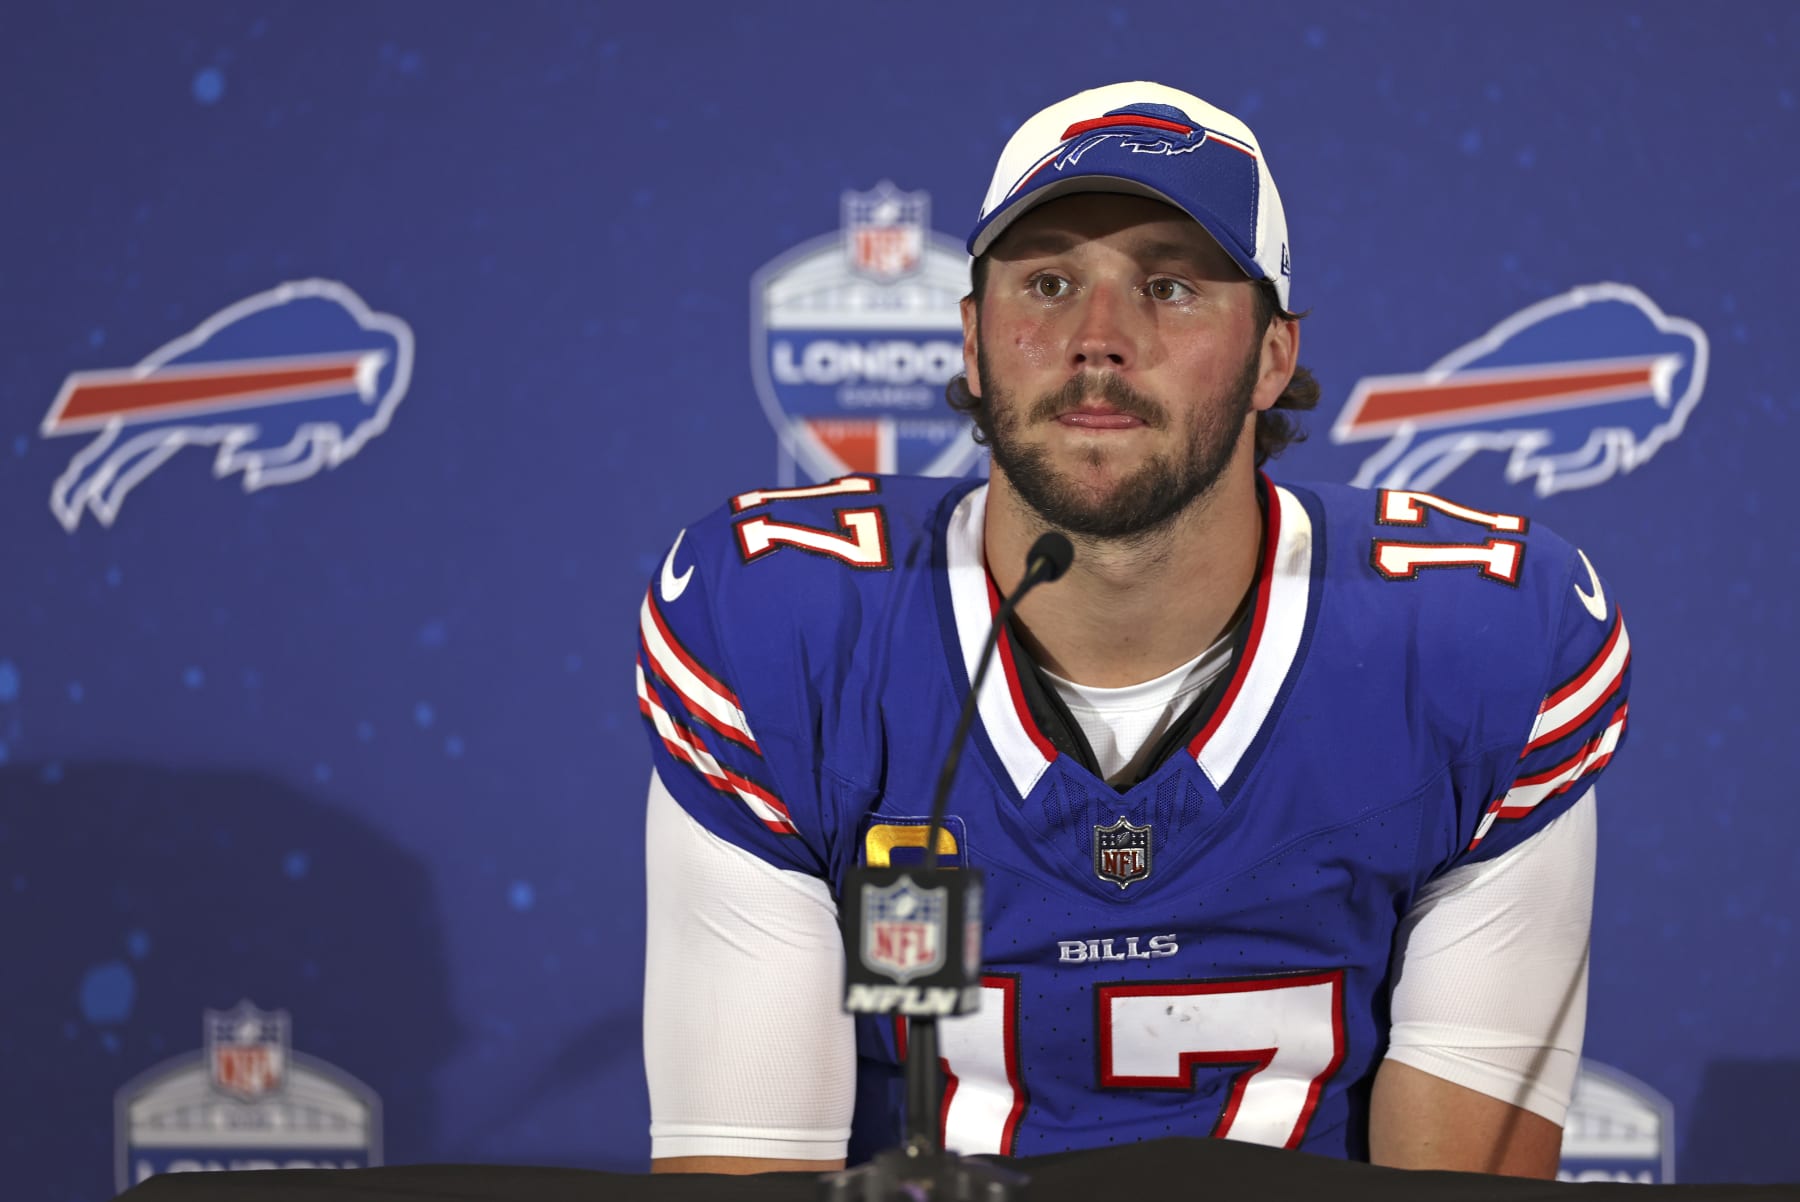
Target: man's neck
point(1130, 610)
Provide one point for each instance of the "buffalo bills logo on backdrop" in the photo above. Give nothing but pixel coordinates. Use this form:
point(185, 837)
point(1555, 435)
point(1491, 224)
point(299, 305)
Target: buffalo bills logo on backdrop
point(246, 1101)
point(283, 383)
point(853, 337)
point(1572, 390)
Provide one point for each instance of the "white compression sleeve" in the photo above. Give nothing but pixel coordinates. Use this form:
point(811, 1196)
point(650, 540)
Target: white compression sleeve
point(1490, 987)
point(745, 1045)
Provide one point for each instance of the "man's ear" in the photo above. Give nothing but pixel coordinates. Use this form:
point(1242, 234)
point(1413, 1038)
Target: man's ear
point(1280, 355)
point(971, 361)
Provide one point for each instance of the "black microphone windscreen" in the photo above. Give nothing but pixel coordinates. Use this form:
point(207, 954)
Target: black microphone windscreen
point(1056, 552)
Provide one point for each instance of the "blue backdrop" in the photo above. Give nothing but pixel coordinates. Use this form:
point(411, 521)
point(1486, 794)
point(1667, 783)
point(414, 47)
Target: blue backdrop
point(359, 744)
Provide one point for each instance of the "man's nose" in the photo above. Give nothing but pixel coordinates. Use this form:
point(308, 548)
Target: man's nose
point(1103, 333)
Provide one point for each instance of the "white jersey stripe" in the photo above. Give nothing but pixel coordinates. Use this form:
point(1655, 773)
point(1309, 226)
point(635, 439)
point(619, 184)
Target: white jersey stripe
point(1524, 796)
point(968, 576)
point(719, 710)
point(1487, 820)
point(685, 745)
point(1561, 714)
point(1290, 589)
point(1528, 793)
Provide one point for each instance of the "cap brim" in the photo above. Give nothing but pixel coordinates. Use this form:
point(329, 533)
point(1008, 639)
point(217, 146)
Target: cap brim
point(991, 230)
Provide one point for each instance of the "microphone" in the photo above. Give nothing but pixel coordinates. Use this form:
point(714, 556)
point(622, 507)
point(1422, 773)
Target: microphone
point(912, 942)
point(1056, 552)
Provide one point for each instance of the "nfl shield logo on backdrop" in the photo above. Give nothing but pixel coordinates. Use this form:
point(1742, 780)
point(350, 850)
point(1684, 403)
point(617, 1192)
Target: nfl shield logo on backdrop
point(1122, 852)
point(853, 336)
point(247, 1050)
point(885, 228)
point(246, 1100)
point(902, 929)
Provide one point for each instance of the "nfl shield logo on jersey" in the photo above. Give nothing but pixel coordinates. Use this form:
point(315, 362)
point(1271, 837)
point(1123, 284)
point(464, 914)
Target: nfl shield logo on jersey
point(1122, 852)
point(247, 1050)
point(900, 930)
point(853, 336)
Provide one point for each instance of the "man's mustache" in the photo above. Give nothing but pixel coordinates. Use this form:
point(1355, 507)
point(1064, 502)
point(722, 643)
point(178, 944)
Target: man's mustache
point(1106, 385)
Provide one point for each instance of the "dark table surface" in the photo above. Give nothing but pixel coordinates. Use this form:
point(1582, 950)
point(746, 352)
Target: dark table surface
point(1167, 1168)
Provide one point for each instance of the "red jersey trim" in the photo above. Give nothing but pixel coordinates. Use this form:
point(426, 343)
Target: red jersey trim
point(1264, 586)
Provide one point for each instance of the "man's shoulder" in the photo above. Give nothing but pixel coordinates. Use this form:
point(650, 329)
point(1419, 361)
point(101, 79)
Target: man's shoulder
point(1496, 635)
point(801, 558)
point(1434, 560)
point(765, 628)
point(1474, 600)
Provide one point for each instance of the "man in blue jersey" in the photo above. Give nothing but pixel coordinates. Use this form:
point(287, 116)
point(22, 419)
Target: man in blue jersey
point(1282, 795)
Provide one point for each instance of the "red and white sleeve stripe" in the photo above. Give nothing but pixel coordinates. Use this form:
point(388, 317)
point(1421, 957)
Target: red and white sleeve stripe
point(1528, 791)
point(700, 691)
point(1582, 696)
point(685, 744)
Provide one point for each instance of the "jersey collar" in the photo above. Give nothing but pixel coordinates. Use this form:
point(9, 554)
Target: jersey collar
point(1247, 696)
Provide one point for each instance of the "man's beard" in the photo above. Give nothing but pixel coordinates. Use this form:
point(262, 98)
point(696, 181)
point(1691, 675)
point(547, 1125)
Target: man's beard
point(1143, 501)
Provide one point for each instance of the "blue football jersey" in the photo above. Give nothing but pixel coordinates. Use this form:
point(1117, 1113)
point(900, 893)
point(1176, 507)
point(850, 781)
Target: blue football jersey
point(1417, 686)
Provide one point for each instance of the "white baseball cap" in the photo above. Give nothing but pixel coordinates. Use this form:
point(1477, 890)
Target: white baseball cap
point(1145, 139)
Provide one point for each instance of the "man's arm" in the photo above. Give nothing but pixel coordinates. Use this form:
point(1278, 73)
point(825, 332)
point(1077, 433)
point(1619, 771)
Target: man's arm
point(1418, 1121)
point(738, 1166)
point(1489, 1006)
point(750, 1059)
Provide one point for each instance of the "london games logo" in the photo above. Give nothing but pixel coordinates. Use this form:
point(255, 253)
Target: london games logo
point(1618, 1129)
point(283, 383)
point(246, 1101)
point(1573, 391)
point(853, 336)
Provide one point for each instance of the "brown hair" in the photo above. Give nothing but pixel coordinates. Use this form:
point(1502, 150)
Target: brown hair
point(1275, 430)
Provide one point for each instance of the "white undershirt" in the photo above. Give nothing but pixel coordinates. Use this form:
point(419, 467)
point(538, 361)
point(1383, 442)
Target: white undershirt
point(748, 1052)
point(1123, 725)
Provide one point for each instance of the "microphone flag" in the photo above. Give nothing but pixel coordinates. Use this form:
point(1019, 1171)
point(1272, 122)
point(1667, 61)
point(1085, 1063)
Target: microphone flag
point(913, 936)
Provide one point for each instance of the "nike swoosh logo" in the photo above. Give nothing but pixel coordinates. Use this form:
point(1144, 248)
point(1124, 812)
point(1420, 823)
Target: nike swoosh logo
point(1594, 602)
point(673, 586)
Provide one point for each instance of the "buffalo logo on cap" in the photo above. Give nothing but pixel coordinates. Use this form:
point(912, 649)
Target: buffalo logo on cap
point(1138, 128)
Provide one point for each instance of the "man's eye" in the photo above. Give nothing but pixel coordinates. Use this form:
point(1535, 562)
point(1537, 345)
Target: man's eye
point(1050, 286)
point(1165, 289)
